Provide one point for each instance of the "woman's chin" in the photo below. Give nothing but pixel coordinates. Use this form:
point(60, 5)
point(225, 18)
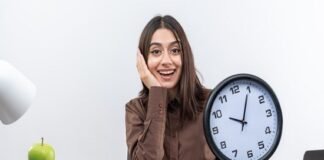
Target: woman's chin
point(168, 85)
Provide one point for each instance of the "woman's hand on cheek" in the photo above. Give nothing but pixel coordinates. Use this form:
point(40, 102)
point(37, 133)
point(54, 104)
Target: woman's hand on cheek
point(146, 76)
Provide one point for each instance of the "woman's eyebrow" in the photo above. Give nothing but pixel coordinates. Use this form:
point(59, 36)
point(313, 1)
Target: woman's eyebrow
point(155, 43)
point(159, 44)
point(174, 42)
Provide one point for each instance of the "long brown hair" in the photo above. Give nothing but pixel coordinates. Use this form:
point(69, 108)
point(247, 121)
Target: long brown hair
point(191, 92)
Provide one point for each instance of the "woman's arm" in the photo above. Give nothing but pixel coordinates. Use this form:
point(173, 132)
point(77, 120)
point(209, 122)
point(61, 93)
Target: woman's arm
point(145, 130)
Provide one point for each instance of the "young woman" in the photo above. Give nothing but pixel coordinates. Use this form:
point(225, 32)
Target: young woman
point(166, 120)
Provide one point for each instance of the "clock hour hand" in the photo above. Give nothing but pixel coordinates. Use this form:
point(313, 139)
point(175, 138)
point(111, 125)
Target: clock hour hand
point(238, 120)
point(243, 120)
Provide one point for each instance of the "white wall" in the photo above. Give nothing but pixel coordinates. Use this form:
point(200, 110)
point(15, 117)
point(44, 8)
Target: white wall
point(81, 56)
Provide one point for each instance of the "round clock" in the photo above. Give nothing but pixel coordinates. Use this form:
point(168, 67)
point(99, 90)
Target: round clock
point(243, 119)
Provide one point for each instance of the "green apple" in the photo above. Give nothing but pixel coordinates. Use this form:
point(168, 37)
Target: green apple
point(41, 151)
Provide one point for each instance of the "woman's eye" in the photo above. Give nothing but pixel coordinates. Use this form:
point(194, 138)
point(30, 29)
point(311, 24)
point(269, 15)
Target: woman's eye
point(175, 51)
point(155, 52)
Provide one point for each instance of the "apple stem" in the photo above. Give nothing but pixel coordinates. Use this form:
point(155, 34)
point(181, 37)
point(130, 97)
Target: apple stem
point(42, 141)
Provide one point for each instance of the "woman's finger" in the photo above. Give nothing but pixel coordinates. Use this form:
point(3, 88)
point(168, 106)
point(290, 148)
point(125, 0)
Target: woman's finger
point(139, 64)
point(145, 74)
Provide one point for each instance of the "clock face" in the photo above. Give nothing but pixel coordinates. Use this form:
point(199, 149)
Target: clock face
point(243, 119)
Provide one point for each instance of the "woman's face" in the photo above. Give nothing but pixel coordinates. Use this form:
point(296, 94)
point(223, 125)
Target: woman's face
point(164, 58)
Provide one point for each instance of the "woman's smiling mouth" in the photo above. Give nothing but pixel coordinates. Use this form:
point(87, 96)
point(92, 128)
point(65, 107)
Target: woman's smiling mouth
point(166, 74)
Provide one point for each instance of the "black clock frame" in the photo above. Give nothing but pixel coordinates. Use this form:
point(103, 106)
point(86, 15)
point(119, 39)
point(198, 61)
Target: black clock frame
point(213, 96)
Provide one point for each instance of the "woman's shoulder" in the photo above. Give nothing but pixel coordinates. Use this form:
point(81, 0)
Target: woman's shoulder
point(206, 92)
point(137, 101)
point(136, 104)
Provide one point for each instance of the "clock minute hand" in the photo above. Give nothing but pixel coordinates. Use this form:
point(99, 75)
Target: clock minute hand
point(243, 120)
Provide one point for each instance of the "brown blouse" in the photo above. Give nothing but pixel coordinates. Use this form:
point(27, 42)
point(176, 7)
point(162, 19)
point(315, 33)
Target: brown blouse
point(153, 132)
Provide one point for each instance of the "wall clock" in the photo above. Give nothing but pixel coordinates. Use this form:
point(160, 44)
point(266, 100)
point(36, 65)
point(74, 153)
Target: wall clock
point(243, 119)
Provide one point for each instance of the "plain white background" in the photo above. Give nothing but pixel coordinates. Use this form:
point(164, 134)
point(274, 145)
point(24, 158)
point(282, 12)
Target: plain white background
point(81, 56)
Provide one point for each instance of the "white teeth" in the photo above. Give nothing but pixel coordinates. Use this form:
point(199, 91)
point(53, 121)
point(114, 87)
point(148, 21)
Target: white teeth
point(167, 72)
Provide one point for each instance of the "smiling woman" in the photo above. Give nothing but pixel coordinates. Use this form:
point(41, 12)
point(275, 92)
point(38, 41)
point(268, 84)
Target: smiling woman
point(165, 120)
point(164, 59)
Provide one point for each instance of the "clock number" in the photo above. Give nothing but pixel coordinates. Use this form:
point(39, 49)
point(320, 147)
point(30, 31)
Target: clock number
point(267, 130)
point(223, 98)
point(217, 114)
point(223, 144)
point(235, 152)
point(261, 99)
point(269, 114)
point(261, 145)
point(215, 130)
point(235, 89)
point(248, 88)
point(249, 154)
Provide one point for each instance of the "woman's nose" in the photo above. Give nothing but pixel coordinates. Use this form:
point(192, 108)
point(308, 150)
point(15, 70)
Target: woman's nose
point(166, 59)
